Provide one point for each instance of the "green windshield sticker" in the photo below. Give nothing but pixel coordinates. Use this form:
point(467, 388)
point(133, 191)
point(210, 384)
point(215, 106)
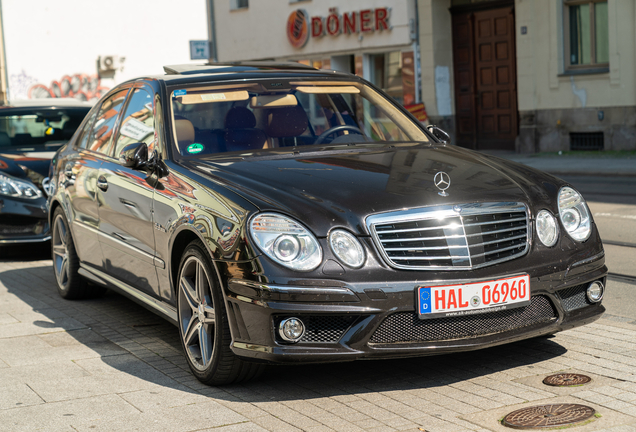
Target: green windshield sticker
point(195, 148)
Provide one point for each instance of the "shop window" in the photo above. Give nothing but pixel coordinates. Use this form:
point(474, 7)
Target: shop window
point(239, 4)
point(586, 34)
point(386, 73)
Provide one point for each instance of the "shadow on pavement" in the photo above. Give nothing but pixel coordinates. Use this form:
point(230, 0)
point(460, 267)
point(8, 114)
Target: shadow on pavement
point(130, 339)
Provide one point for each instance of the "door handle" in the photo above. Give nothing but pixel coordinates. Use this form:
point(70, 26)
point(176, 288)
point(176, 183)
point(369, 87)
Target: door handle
point(102, 183)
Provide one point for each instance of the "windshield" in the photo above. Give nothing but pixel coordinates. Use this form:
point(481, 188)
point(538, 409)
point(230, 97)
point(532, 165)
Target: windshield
point(252, 117)
point(38, 131)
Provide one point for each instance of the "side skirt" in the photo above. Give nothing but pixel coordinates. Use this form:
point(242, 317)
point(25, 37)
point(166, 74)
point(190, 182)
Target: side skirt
point(150, 303)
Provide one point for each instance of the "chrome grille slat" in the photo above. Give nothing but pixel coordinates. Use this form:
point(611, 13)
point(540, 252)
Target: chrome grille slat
point(424, 248)
point(415, 229)
point(420, 239)
point(476, 235)
point(494, 222)
point(496, 251)
point(499, 240)
point(493, 232)
point(433, 258)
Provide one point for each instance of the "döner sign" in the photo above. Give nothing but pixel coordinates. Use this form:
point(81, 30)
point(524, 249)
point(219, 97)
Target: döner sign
point(366, 20)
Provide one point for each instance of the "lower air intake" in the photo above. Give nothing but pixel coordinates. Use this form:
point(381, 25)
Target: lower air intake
point(405, 327)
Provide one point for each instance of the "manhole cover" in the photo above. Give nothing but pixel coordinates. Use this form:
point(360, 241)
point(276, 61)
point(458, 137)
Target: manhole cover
point(566, 380)
point(548, 416)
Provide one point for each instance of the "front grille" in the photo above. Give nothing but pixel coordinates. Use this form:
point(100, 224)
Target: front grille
point(407, 327)
point(452, 237)
point(322, 328)
point(574, 297)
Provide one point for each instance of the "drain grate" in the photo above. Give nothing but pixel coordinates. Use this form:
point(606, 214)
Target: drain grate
point(566, 380)
point(548, 416)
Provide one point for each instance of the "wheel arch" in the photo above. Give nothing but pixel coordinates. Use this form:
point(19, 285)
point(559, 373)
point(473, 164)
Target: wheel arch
point(179, 245)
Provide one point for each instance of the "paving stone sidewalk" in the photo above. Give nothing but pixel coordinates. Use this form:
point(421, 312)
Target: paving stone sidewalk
point(109, 365)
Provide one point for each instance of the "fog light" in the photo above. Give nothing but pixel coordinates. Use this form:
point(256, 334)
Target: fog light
point(291, 329)
point(595, 292)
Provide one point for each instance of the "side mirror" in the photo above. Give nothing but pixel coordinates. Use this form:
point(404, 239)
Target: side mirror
point(134, 156)
point(442, 136)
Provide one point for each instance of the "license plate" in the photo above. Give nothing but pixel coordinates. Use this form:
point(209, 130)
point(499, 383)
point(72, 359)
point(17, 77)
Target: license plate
point(473, 298)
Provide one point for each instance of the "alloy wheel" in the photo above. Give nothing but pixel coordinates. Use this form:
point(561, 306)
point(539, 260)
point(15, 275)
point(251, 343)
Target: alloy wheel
point(196, 313)
point(60, 252)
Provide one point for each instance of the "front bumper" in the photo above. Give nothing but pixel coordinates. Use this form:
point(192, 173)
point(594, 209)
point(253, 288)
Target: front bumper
point(350, 321)
point(23, 221)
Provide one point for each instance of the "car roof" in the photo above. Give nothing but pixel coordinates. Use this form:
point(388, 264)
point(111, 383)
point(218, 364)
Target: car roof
point(209, 72)
point(52, 103)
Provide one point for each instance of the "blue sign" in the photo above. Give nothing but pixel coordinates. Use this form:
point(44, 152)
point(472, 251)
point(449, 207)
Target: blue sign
point(425, 300)
point(199, 50)
point(180, 92)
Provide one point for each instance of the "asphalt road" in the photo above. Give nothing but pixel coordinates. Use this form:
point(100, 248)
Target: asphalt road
point(612, 201)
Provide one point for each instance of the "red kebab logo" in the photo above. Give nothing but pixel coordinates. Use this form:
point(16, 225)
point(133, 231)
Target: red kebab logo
point(298, 28)
point(364, 21)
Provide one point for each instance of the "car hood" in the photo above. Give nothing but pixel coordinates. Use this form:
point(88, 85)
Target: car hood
point(341, 187)
point(33, 166)
point(14, 163)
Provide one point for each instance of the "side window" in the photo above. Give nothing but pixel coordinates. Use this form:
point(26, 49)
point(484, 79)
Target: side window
point(138, 122)
point(102, 134)
point(82, 140)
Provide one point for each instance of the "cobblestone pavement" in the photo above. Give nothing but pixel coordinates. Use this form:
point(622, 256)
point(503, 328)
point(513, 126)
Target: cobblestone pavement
point(109, 365)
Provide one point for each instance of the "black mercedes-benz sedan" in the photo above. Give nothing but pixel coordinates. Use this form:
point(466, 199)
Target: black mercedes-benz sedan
point(279, 213)
point(30, 133)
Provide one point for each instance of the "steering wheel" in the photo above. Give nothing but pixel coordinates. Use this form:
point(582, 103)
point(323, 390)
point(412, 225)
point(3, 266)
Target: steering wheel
point(335, 129)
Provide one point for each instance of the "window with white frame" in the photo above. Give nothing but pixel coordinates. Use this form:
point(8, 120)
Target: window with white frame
point(586, 34)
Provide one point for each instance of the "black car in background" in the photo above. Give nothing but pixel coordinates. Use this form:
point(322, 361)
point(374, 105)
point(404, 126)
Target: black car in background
point(31, 132)
point(279, 213)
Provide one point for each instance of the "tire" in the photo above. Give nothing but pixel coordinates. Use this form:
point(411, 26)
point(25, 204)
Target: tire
point(203, 324)
point(70, 285)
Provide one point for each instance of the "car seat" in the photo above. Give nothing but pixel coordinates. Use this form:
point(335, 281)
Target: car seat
point(5, 141)
point(286, 122)
point(240, 133)
point(185, 134)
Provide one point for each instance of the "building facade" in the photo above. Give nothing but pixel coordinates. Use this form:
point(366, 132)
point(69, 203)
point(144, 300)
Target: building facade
point(523, 75)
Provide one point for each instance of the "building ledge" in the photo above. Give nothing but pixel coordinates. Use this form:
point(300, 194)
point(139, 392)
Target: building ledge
point(590, 71)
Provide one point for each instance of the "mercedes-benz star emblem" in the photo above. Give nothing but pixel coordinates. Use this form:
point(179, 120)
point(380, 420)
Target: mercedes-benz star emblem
point(442, 181)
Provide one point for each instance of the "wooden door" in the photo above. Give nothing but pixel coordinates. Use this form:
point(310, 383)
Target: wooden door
point(486, 79)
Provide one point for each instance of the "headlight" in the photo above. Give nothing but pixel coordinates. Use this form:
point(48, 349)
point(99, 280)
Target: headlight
point(286, 241)
point(347, 248)
point(18, 188)
point(574, 215)
point(547, 228)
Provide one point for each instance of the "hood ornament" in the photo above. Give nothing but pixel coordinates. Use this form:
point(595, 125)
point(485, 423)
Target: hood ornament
point(442, 182)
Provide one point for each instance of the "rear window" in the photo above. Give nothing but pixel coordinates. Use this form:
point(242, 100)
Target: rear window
point(38, 130)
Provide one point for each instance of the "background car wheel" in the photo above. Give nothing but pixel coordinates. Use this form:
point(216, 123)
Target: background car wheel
point(203, 325)
point(70, 284)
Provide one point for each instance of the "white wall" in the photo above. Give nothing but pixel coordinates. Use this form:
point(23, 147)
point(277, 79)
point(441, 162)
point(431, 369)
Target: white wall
point(259, 32)
point(46, 40)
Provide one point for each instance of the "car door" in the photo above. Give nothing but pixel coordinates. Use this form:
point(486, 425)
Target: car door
point(80, 172)
point(126, 213)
